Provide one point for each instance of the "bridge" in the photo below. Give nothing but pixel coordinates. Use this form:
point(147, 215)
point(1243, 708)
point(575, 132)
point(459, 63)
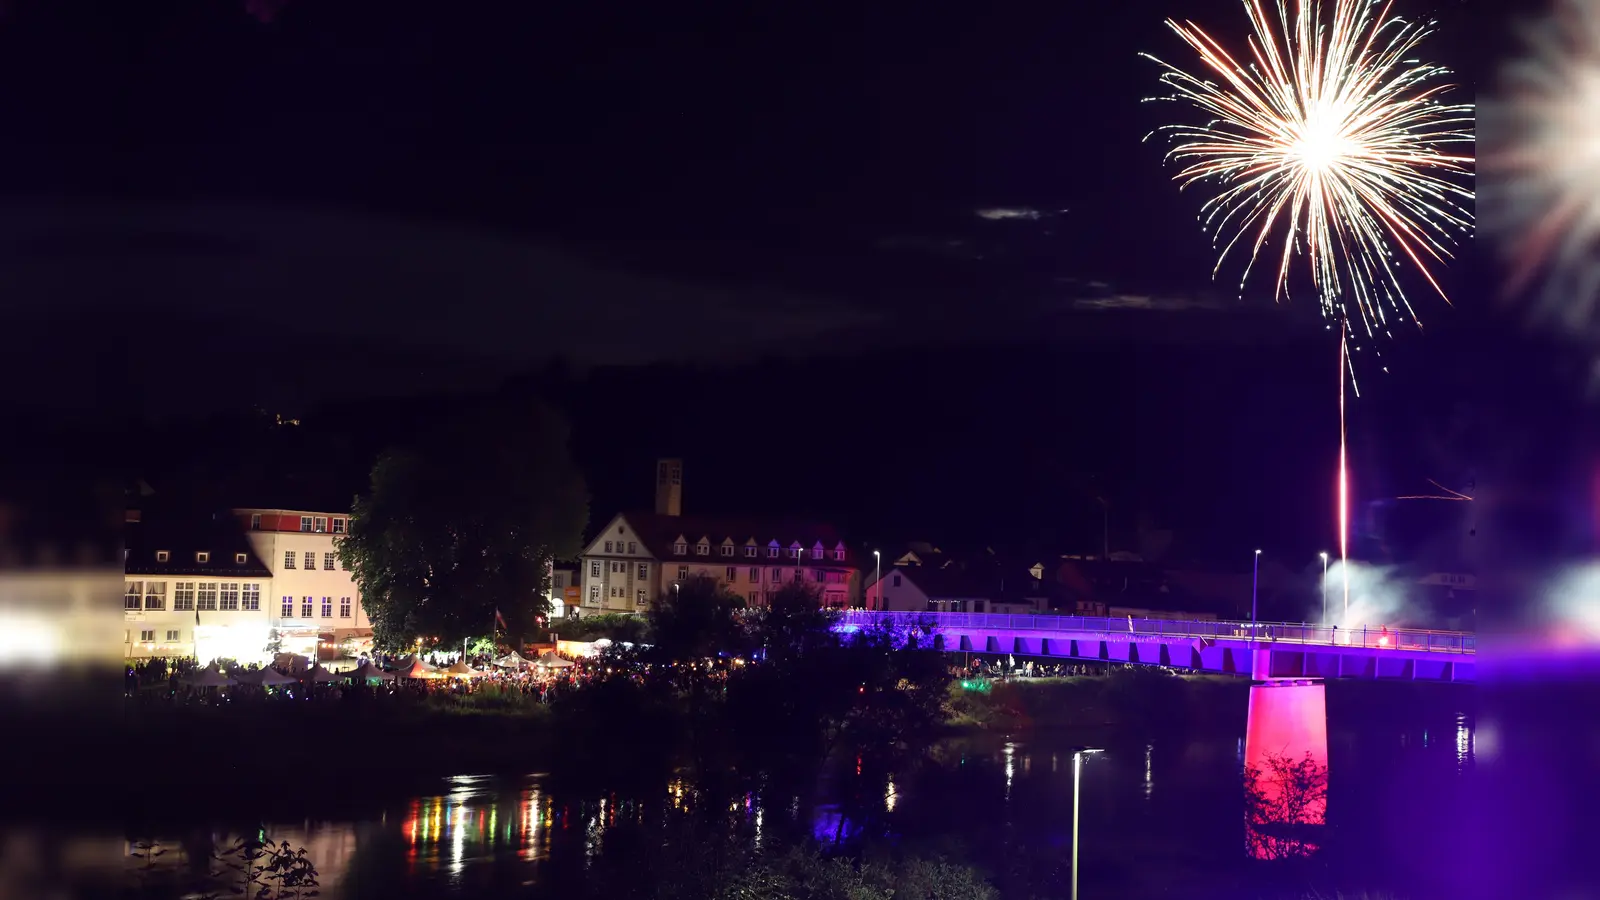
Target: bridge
point(1263, 651)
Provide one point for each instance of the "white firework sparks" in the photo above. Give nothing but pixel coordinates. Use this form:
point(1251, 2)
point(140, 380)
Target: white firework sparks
point(1330, 137)
point(1541, 165)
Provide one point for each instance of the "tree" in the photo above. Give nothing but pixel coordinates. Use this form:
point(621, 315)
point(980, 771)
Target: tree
point(1285, 806)
point(465, 522)
point(696, 620)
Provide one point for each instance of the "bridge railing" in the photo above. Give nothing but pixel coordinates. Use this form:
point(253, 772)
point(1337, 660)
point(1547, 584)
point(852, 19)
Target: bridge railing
point(1412, 639)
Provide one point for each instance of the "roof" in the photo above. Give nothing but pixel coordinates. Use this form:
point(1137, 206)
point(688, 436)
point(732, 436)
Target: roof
point(660, 532)
point(182, 537)
point(957, 584)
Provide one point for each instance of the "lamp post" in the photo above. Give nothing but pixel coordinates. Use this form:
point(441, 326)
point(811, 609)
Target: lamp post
point(1255, 582)
point(1077, 776)
point(877, 577)
point(1324, 587)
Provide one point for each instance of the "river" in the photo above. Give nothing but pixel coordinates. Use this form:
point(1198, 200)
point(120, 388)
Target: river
point(1159, 816)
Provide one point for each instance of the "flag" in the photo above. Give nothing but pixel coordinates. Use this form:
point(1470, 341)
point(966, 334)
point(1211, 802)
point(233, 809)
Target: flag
point(499, 619)
point(197, 617)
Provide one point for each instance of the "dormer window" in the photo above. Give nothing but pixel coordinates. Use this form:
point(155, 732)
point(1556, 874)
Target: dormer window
point(703, 548)
point(680, 548)
point(838, 554)
point(162, 556)
point(202, 556)
point(795, 550)
point(727, 549)
point(239, 558)
point(816, 552)
point(772, 550)
point(750, 551)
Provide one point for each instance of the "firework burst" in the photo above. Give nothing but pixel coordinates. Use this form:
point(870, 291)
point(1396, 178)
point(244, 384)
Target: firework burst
point(1330, 138)
point(1541, 165)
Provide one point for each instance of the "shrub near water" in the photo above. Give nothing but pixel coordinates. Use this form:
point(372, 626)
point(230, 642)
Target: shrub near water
point(1137, 698)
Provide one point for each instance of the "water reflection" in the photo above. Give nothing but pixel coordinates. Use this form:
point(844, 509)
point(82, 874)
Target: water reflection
point(1463, 742)
point(1149, 778)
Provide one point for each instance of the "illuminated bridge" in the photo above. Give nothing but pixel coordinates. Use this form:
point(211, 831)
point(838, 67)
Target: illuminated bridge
point(1267, 650)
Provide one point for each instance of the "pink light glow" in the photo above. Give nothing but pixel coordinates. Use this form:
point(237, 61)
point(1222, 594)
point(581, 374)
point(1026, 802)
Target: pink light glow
point(1288, 721)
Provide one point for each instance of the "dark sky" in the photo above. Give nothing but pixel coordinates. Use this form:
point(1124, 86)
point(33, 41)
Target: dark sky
point(615, 182)
point(363, 197)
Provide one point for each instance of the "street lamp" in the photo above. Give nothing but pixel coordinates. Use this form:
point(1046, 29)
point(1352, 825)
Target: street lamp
point(1255, 582)
point(1324, 587)
point(1077, 775)
point(877, 578)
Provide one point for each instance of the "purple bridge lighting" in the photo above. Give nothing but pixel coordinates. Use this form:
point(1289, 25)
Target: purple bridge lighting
point(1266, 650)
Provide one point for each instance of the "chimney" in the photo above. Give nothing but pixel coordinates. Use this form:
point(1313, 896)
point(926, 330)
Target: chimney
point(669, 487)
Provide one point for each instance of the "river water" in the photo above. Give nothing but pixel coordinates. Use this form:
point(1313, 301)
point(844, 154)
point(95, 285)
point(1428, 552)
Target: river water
point(1158, 816)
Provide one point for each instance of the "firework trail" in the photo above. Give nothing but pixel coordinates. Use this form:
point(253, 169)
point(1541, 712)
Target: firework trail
point(1541, 164)
point(1331, 134)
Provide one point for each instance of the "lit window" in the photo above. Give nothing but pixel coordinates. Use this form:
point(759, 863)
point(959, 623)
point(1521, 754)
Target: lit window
point(327, 607)
point(131, 598)
point(252, 598)
point(305, 523)
point(155, 595)
point(207, 597)
point(288, 559)
point(229, 596)
point(594, 595)
point(288, 608)
point(183, 596)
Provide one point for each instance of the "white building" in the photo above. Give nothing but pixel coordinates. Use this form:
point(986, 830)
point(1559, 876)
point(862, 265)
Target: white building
point(194, 587)
point(314, 600)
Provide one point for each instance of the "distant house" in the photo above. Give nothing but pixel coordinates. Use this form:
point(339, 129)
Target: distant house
point(922, 589)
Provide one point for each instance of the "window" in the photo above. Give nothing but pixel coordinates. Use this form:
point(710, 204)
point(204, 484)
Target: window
point(229, 596)
point(896, 581)
point(202, 557)
point(172, 635)
point(328, 562)
point(838, 554)
point(799, 574)
point(207, 598)
point(750, 551)
point(255, 521)
point(162, 556)
point(616, 568)
point(644, 571)
point(288, 607)
point(305, 607)
point(703, 549)
point(239, 558)
point(608, 546)
point(327, 607)
point(252, 598)
point(683, 573)
point(321, 524)
point(594, 569)
point(183, 596)
point(147, 636)
point(594, 594)
point(772, 550)
point(311, 561)
point(680, 548)
point(733, 574)
point(777, 575)
point(131, 594)
point(338, 526)
point(755, 574)
point(558, 580)
point(795, 551)
point(344, 607)
point(816, 552)
point(615, 592)
point(305, 523)
point(633, 547)
point(640, 599)
point(819, 575)
point(727, 549)
point(288, 559)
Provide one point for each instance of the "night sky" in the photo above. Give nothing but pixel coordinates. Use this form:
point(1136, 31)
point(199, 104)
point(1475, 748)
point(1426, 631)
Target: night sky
point(362, 198)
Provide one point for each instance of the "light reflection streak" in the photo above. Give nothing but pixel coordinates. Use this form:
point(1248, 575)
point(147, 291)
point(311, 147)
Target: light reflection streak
point(1463, 742)
point(890, 796)
point(1011, 766)
point(1149, 782)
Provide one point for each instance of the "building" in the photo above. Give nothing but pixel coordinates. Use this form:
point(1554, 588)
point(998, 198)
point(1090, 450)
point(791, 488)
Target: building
point(194, 586)
point(315, 604)
point(638, 556)
point(926, 589)
point(565, 590)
